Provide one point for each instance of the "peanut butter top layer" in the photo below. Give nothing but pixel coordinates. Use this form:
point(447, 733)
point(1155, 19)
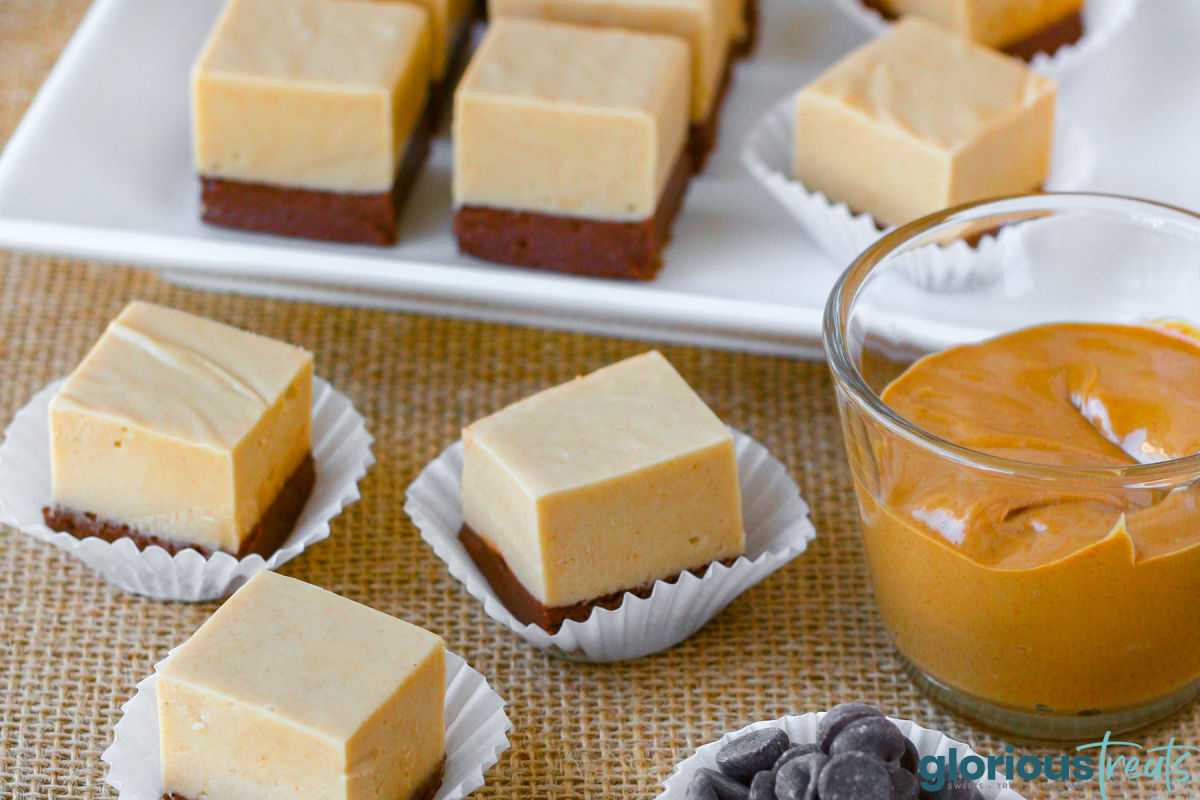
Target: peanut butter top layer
point(350, 43)
point(181, 376)
point(625, 417)
point(1071, 395)
point(995, 23)
point(563, 65)
point(295, 651)
point(936, 85)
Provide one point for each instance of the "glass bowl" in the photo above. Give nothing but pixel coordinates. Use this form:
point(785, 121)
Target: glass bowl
point(1101, 639)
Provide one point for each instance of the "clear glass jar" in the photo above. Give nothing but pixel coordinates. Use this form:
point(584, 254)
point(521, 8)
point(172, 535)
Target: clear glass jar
point(1100, 639)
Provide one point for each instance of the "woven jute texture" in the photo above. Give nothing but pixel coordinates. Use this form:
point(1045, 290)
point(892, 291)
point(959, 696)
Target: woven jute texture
point(73, 648)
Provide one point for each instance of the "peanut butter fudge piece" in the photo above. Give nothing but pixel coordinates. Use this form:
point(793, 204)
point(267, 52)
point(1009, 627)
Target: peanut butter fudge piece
point(183, 432)
point(1019, 27)
point(920, 119)
point(449, 23)
point(596, 487)
point(569, 147)
point(704, 24)
point(311, 118)
point(290, 692)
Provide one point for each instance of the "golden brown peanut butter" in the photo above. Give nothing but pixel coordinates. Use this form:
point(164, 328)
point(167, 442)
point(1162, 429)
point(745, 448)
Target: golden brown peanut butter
point(1066, 596)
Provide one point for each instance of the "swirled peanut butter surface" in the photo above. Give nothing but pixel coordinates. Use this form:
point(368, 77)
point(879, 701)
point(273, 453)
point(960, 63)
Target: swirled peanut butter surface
point(1067, 595)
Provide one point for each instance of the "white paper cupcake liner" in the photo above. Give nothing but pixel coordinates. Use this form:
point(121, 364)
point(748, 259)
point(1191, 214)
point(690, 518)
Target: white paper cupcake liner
point(768, 154)
point(1102, 20)
point(777, 530)
point(476, 735)
point(802, 729)
point(341, 449)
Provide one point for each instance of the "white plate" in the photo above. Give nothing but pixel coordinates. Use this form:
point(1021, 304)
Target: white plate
point(100, 167)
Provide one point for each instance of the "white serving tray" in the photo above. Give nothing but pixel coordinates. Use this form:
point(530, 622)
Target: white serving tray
point(100, 168)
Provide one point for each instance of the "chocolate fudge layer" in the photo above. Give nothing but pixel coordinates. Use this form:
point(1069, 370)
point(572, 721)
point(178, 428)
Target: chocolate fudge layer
point(599, 248)
point(267, 536)
point(528, 609)
point(350, 217)
point(744, 46)
point(1064, 32)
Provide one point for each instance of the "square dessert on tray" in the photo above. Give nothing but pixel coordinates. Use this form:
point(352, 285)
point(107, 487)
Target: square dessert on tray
point(182, 432)
point(705, 25)
point(597, 487)
point(291, 692)
point(921, 119)
point(311, 118)
point(569, 147)
point(1022, 28)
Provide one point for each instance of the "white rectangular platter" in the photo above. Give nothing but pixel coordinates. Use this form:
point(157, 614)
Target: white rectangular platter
point(100, 168)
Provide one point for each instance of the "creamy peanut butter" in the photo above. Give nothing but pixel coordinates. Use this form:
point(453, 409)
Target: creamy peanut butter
point(311, 94)
point(1063, 595)
point(920, 119)
point(570, 120)
point(447, 20)
point(995, 23)
point(605, 483)
point(180, 427)
point(290, 692)
point(705, 25)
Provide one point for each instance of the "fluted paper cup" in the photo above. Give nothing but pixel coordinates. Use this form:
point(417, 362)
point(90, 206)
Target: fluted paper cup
point(768, 154)
point(1102, 20)
point(476, 734)
point(802, 729)
point(341, 450)
point(777, 530)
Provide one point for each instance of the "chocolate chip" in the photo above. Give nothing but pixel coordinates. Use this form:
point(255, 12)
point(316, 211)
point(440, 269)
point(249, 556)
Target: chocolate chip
point(876, 736)
point(726, 788)
point(795, 751)
point(905, 785)
point(839, 717)
point(911, 760)
point(854, 776)
point(747, 755)
point(700, 788)
point(763, 786)
point(797, 779)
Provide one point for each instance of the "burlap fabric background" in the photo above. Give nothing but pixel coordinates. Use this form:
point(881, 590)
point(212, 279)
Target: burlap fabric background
point(74, 648)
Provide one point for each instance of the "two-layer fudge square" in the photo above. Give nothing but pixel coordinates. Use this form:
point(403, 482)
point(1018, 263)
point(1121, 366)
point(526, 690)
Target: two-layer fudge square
point(310, 117)
point(920, 119)
point(290, 692)
point(598, 487)
point(704, 24)
point(183, 432)
point(569, 147)
point(1021, 28)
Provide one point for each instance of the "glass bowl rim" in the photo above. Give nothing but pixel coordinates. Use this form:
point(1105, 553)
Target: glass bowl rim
point(849, 379)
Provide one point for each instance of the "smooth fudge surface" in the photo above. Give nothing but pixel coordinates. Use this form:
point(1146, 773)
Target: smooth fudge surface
point(704, 24)
point(570, 120)
point(920, 119)
point(996, 23)
point(180, 427)
point(605, 483)
point(289, 691)
point(311, 94)
point(447, 19)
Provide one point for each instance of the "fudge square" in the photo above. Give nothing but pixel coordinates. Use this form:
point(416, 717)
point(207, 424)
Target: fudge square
point(1021, 27)
point(290, 692)
point(920, 119)
point(180, 431)
point(310, 117)
point(569, 147)
point(706, 26)
point(596, 487)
